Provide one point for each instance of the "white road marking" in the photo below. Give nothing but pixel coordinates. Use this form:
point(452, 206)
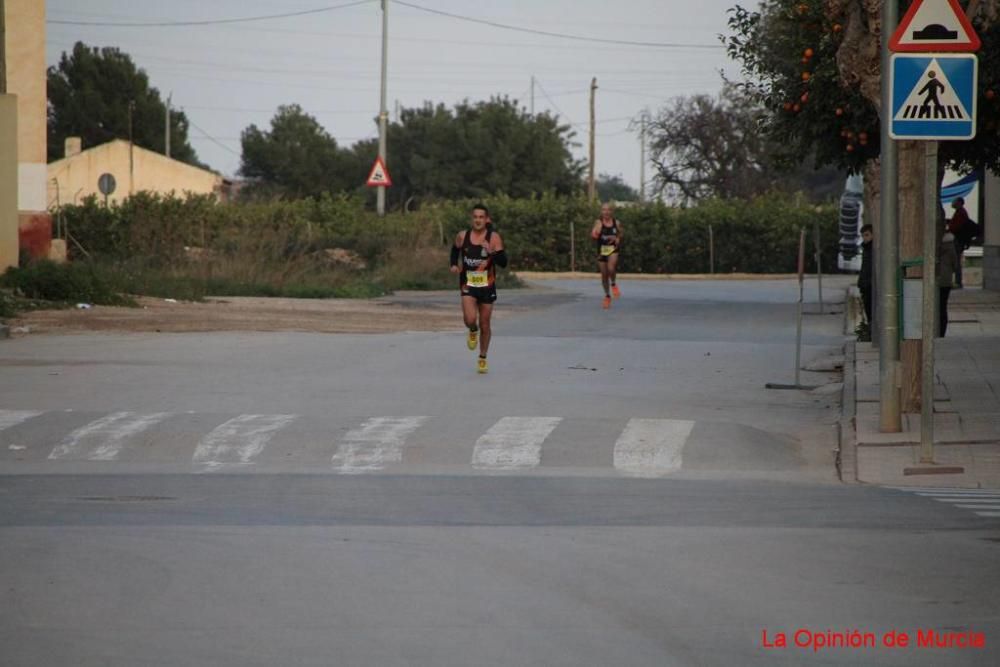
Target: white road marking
point(652, 446)
point(10, 418)
point(968, 499)
point(989, 515)
point(239, 440)
point(376, 443)
point(103, 439)
point(952, 493)
point(513, 443)
point(980, 506)
point(937, 490)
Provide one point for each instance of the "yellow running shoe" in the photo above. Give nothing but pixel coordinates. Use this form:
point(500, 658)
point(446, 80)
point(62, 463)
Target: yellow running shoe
point(473, 339)
point(617, 292)
point(483, 367)
point(606, 303)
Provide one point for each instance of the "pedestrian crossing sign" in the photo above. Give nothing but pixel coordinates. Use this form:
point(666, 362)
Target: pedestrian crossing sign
point(933, 96)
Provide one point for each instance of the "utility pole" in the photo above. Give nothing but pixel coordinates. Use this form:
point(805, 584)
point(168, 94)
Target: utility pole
point(642, 157)
point(166, 139)
point(532, 94)
point(383, 112)
point(591, 185)
point(887, 295)
point(131, 146)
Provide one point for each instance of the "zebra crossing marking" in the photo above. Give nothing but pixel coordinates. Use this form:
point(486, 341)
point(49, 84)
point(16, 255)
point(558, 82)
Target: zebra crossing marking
point(239, 440)
point(652, 446)
point(375, 444)
point(983, 502)
point(104, 438)
point(513, 443)
point(10, 418)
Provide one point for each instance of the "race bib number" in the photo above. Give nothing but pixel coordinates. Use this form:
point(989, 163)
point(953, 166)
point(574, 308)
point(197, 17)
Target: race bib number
point(477, 278)
point(607, 250)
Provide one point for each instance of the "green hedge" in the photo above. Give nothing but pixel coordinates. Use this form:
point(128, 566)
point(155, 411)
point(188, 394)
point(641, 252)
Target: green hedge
point(760, 236)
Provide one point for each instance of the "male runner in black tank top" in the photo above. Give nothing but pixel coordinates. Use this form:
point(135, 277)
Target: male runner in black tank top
point(474, 256)
point(607, 232)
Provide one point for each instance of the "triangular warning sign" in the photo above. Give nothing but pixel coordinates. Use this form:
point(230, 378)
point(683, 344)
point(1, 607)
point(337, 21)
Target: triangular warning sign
point(379, 175)
point(934, 26)
point(933, 98)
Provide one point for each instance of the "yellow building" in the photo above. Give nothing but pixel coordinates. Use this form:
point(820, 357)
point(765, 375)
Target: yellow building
point(24, 67)
point(134, 170)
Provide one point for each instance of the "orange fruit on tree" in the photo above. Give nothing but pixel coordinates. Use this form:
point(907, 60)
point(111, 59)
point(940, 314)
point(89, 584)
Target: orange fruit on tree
point(839, 111)
point(837, 27)
point(806, 76)
point(808, 53)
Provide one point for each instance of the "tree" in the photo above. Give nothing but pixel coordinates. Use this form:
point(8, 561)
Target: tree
point(296, 158)
point(90, 92)
point(816, 67)
point(613, 188)
point(475, 150)
point(704, 147)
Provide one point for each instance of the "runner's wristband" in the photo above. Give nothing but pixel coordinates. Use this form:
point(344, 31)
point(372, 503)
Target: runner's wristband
point(500, 258)
point(454, 256)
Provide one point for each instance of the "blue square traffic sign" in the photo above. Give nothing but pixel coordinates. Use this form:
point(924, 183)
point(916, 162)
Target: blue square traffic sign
point(933, 96)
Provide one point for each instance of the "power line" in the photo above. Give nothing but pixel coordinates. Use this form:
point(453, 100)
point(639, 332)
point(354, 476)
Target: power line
point(275, 108)
point(549, 98)
point(659, 45)
point(246, 19)
point(213, 139)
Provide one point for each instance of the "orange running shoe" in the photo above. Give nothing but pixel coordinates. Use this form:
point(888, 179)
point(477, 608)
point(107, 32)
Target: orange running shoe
point(617, 292)
point(606, 303)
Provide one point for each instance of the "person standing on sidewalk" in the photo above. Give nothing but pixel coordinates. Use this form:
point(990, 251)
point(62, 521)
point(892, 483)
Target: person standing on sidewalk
point(865, 275)
point(607, 232)
point(947, 265)
point(958, 226)
point(475, 255)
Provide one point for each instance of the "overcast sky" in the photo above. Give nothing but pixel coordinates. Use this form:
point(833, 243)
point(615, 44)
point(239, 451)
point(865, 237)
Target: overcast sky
point(228, 76)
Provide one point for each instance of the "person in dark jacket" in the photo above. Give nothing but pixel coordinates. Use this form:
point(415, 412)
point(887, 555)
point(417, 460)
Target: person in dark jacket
point(958, 226)
point(865, 275)
point(946, 272)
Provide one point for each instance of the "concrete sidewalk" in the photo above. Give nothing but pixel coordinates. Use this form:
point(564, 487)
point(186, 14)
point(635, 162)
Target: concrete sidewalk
point(966, 407)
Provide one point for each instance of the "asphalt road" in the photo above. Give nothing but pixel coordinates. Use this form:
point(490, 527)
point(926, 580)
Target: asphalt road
point(620, 489)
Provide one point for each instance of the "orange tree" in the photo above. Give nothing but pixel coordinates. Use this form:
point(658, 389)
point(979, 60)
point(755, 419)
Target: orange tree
point(815, 65)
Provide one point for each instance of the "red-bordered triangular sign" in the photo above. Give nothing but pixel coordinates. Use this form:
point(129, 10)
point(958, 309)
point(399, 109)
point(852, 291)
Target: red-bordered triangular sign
point(932, 26)
point(379, 175)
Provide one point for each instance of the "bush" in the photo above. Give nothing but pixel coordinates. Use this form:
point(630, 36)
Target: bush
point(65, 283)
point(186, 248)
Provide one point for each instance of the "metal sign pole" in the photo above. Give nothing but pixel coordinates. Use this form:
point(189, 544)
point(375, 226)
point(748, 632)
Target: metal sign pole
point(930, 320)
point(798, 324)
point(887, 297)
point(819, 264)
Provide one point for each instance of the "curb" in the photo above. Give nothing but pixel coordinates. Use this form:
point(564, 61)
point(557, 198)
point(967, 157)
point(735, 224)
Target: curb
point(847, 450)
point(847, 454)
point(4, 331)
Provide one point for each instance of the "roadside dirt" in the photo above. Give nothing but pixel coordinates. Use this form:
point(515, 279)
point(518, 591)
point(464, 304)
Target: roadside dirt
point(248, 314)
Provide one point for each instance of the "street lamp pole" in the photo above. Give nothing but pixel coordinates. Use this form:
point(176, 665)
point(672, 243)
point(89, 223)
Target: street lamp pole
point(383, 111)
